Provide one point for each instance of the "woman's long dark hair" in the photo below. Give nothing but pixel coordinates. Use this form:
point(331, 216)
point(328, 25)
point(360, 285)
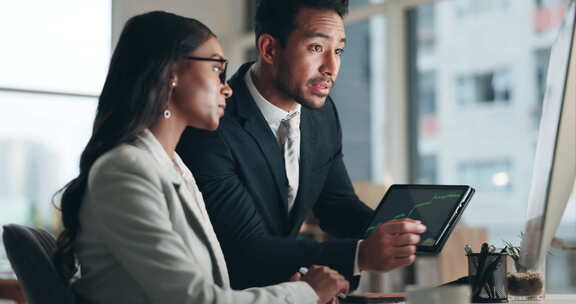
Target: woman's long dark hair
point(132, 99)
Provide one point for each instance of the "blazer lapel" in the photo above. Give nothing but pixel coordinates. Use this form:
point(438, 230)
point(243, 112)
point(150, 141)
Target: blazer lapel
point(307, 144)
point(194, 215)
point(255, 125)
point(273, 155)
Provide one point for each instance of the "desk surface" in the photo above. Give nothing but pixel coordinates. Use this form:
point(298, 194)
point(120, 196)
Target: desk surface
point(10, 289)
point(550, 299)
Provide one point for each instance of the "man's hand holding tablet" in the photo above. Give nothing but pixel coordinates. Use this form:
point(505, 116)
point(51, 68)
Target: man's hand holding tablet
point(390, 245)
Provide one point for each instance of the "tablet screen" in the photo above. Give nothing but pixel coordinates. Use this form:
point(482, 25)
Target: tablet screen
point(435, 205)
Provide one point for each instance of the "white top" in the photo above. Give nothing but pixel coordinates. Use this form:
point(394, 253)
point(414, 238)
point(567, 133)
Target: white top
point(274, 116)
point(146, 236)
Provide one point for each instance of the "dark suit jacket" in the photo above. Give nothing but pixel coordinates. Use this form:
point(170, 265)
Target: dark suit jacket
point(240, 171)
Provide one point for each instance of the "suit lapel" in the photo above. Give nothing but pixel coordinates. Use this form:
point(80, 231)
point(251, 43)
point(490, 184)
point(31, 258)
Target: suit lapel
point(255, 125)
point(272, 153)
point(307, 144)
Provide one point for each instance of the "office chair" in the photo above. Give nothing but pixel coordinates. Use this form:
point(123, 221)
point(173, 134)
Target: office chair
point(30, 253)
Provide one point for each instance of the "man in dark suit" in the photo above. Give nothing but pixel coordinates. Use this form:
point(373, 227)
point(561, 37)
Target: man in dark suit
point(277, 158)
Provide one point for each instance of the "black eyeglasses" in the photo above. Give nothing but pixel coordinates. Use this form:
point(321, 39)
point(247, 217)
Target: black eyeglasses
point(223, 61)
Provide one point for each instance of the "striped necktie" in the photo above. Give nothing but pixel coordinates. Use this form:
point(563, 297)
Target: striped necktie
point(287, 135)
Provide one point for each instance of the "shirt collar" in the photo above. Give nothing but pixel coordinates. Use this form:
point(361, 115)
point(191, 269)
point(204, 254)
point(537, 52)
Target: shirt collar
point(273, 114)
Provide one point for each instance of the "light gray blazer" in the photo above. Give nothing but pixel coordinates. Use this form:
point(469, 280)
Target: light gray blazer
point(146, 238)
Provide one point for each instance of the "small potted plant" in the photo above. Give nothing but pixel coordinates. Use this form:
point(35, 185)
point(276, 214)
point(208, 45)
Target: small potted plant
point(524, 284)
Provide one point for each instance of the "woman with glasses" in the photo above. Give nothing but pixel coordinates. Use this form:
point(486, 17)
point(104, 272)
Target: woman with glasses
point(133, 217)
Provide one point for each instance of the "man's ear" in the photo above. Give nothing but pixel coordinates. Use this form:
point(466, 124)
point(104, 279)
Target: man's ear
point(268, 48)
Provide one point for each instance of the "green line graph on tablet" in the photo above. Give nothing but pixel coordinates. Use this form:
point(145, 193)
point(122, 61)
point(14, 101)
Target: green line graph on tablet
point(435, 199)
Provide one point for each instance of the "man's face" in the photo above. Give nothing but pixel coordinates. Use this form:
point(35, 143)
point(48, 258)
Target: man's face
point(307, 66)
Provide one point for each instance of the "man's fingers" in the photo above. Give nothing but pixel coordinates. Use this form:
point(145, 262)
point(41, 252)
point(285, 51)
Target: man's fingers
point(400, 262)
point(405, 251)
point(406, 219)
point(401, 227)
point(405, 239)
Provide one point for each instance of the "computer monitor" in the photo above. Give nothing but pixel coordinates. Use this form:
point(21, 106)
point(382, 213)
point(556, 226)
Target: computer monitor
point(555, 161)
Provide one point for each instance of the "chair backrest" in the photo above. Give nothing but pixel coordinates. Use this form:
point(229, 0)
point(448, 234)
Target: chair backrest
point(30, 253)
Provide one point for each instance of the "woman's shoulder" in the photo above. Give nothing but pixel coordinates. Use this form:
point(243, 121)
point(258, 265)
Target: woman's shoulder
point(124, 154)
point(123, 159)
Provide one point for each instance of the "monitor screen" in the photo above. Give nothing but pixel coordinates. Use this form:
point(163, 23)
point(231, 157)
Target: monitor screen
point(555, 160)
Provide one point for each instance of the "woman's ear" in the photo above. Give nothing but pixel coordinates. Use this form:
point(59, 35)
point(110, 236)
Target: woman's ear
point(268, 48)
point(172, 84)
point(173, 81)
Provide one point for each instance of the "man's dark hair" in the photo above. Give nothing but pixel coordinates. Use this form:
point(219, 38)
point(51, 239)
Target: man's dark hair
point(277, 17)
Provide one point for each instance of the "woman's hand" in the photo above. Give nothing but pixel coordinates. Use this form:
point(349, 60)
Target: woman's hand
point(326, 282)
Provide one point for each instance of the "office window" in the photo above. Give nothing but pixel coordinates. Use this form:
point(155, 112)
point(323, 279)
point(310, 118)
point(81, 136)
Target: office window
point(541, 57)
point(468, 8)
point(486, 175)
point(54, 45)
point(489, 72)
point(428, 169)
point(550, 3)
point(426, 28)
point(548, 14)
point(427, 93)
point(353, 3)
point(426, 84)
point(54, 60)
point(41, 138)
point(484, 88)
point(359, 97)
point(249, 14)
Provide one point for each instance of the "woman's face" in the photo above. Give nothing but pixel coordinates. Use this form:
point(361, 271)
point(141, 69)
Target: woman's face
point(199, 96)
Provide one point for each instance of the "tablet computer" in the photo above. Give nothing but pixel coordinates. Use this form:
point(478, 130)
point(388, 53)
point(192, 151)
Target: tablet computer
point(439, 207)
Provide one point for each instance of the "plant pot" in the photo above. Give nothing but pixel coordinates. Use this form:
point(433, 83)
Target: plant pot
point(527, 286)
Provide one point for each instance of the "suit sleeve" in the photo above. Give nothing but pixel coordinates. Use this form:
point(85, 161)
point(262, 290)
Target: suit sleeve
point(129, 210)
point(338, 209)
point(255, 257)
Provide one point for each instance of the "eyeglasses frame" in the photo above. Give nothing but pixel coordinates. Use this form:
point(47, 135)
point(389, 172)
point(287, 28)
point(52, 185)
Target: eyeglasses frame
point(222, 75)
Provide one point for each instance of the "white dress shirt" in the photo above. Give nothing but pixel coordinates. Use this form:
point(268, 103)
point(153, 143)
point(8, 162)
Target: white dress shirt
point(273, 116)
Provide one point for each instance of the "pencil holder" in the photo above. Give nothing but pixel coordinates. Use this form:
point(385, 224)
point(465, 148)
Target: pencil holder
point(487, 273)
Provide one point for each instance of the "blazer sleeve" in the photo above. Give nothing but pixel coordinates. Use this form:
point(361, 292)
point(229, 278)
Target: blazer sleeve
point(338, 209)
point(130, 209)
point(255, 255)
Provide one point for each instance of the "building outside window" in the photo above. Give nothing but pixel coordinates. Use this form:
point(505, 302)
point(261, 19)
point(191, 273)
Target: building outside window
point(428, 170)
point(469, 8)
point(490, 71)
point(354, 99)
point(484, 88)
point(541, 58)
point(359, 98)
point(425, 30)
point(52, 73)
point(487, 175)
